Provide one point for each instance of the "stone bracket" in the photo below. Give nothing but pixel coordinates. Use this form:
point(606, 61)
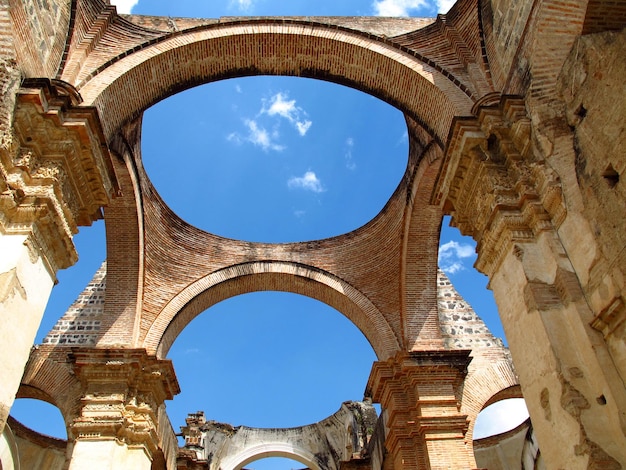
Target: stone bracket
point(491, 185)
point(122, 391)
point(55, 171)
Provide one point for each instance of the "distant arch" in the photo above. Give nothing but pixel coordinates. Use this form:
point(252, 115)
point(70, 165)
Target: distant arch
point(131, 82)
point(274, 449)
point(277, 276)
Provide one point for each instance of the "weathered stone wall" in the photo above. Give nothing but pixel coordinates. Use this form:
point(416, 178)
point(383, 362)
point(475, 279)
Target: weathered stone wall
point(514, 449)
point(594, 92)
point(80, 325)
point(327, 445)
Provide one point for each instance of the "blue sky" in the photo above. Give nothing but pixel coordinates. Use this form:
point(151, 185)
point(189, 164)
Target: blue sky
point(274, 159)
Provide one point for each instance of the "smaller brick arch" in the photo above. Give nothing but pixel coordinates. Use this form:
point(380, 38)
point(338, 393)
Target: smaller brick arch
point(271, 276)
point(47, 380)
point(275, 449)
point(487, 383)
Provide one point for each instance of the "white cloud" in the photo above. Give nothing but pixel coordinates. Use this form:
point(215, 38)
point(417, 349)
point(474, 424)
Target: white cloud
point(350, 165)
point(309, 181)
point(237, 88)
point(404, 7)
point(234, 137)
point(303, 127)
point(280, 105)
point(242, 5)
point(444, 5)
point(258, 136)
point(124, 6)
point(397, 7)
point(500, 417)
point(452, 254)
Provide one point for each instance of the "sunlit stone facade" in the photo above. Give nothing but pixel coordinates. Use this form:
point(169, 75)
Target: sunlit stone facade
point(515, 113)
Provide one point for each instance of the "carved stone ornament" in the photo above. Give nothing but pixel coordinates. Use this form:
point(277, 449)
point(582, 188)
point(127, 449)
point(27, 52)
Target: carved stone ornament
point(55, 172)
point(491, 184)
point(123, 390)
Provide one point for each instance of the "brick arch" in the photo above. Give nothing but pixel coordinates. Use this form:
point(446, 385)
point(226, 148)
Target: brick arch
point(132, 82)
point(274, 449)
point(276, 276)
point(487, 384)
point(51, 381)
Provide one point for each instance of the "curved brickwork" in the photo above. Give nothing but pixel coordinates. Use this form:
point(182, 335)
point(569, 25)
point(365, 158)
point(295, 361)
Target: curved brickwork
point(420, 322)
point(40, 30)
point(453, 42)
point(428, 93)
point(180, 261)
point(178, 255)
point(97, 31)
point(50, 378)
point(271, 275)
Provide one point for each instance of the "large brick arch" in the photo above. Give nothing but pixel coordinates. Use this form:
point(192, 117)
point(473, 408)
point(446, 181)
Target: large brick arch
point(128, 84)
point(268, 275)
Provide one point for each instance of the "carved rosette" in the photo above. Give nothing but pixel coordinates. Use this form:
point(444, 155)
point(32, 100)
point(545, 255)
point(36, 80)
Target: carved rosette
point(122, 391)
point(55, 173)
point(494, 189)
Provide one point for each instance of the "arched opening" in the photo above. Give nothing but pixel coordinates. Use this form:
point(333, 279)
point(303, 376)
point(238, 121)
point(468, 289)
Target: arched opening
point(457, 254)
point(275, 463)
point(39, 416)
point(275, 159)
point(500, 417)
point(91, 247)
point(268, 360)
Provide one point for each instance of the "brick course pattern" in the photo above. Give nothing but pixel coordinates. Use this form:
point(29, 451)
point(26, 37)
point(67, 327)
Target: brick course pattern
point(514, 112)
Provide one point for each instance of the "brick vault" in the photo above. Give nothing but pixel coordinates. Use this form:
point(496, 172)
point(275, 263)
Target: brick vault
point(515, 112)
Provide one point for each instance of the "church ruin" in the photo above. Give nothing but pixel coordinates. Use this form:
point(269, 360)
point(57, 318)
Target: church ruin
point(516, 113)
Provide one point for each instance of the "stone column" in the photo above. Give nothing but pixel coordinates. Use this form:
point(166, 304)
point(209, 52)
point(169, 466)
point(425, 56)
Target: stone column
point(511, 202)
point(55, 174)
point(420, 392)
point(117, 426)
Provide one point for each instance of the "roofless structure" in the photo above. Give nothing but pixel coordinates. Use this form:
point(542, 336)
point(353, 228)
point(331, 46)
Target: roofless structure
point(515, 112)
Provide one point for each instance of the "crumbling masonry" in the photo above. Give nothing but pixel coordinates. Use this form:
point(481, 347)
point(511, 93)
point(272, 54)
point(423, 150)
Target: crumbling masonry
point(515, 112)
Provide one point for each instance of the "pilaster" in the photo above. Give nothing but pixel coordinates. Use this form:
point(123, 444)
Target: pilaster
point(420, 392)
point(510, 201)
point(55, 175)
point(118, 422)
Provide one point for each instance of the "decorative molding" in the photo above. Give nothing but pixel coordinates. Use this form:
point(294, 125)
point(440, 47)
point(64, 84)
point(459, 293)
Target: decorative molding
point(421, 393)
point(122, 392)
point(56, 173)
point(491, 184)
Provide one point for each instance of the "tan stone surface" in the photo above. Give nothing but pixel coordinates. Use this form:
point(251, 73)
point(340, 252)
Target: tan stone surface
point(515, 119)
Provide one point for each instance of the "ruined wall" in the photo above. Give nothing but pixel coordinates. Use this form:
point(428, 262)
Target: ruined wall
point(37, 451)
point(514, 449)
point(594, 92)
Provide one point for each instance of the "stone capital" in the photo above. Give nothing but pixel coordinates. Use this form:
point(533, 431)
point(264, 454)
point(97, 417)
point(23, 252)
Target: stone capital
point(55, 170)
point(408, 371)
point(421, 393)
point(122, 391)
point(492, 184)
